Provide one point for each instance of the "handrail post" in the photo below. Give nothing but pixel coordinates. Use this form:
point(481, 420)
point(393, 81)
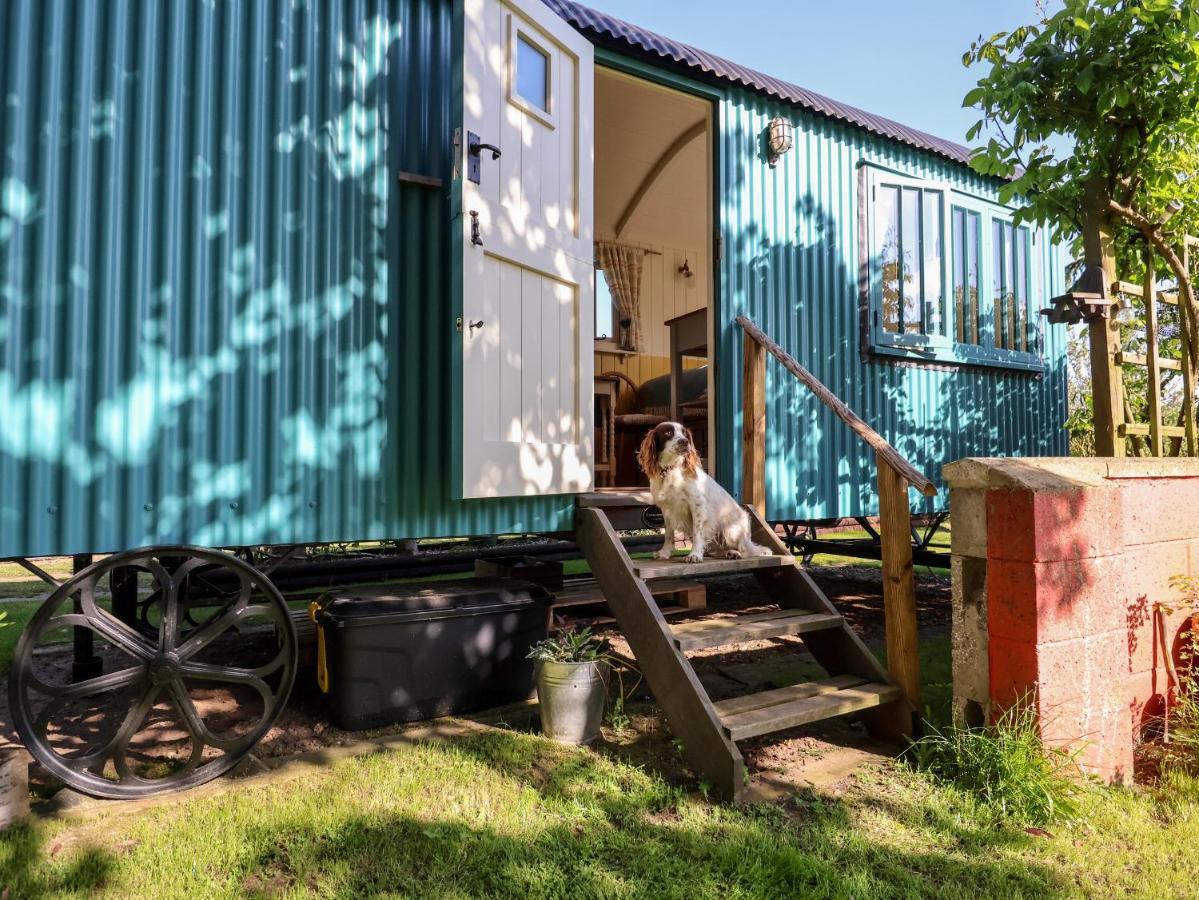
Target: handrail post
point(753, 425)
point(899, 584)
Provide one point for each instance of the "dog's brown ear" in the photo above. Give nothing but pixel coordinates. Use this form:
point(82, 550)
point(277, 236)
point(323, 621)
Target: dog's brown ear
point(691, 462)
point(647, 455)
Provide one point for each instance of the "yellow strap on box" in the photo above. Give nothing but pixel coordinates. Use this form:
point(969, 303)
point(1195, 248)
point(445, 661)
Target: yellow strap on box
point(322, 669)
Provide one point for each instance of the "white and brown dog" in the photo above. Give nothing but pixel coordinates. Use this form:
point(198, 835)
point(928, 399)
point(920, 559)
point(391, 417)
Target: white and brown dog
point(690, 500)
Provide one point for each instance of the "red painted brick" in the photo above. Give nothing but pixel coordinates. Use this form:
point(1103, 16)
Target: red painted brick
point(1054, 601)
point(1010, 533)
point(1013, 667)
point(1054, 526)
point(1012, 600)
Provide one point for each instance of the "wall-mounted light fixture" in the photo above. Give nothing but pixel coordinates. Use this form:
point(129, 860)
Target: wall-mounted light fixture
point(778, 139)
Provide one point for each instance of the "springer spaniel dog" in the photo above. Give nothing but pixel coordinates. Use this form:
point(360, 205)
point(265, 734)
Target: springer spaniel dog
point(690, 500)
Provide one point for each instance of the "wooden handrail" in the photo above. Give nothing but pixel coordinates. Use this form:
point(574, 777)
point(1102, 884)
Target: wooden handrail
point(894, 474)
point(882, 448)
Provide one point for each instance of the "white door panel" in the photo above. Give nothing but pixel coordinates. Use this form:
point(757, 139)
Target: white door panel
point(527, 253)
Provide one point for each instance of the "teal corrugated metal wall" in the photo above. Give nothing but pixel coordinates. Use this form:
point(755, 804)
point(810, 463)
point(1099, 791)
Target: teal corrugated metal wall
point(791, 264)
point(222, 319)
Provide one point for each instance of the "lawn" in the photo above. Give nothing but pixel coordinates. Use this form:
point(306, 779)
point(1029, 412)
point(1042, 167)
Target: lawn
point(502, 813)
point(505, 814)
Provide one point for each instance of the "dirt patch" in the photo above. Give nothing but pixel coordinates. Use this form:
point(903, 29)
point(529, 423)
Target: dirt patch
point(812, 757)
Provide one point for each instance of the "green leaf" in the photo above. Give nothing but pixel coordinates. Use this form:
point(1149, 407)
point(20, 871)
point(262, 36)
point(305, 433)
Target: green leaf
point(974, 96)
point(1081, 24)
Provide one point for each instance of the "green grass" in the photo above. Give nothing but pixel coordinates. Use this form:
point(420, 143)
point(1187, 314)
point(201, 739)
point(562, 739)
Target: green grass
point(19, 614)
point(1006, 766)
point(940, 542)
point(504, 814)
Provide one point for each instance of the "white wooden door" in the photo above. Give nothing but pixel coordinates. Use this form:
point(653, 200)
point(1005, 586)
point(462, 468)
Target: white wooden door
point(527, 252)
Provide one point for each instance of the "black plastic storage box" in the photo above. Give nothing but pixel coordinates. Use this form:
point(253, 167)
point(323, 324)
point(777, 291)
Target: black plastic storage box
point(416, 651)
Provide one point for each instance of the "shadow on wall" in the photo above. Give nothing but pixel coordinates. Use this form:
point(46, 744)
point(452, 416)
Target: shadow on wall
point(203, 274)
point(804, 292)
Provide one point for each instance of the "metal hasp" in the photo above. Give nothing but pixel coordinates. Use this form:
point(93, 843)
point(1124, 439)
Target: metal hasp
point(213, 663)
point(474, 151)
point(476, 233)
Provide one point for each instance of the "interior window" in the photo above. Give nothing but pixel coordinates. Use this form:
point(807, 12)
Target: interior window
point(605, 317)
point(532, 73)
point(967, 241)
point(908, 229)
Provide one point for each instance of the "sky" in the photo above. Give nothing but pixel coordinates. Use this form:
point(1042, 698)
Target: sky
point(897, 58)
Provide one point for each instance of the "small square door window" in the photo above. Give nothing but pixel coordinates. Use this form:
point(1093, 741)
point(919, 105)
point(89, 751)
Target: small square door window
point(532, 74)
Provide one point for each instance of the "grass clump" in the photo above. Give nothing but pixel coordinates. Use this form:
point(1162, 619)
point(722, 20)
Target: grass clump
point(1006, 767)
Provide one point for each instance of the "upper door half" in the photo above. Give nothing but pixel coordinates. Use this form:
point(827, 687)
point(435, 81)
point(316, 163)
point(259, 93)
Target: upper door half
point(526, 252)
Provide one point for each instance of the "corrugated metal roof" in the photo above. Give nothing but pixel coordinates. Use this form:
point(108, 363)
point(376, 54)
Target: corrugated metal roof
point(608, 30)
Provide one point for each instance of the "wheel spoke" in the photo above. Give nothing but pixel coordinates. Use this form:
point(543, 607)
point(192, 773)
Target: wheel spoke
point(111, 628)
point(275, 664)
point(227, 675)
point(168, 628)
point(134, 717)
point(91, 686)
point(134, 720)
point(201, 733)
point(202, 637)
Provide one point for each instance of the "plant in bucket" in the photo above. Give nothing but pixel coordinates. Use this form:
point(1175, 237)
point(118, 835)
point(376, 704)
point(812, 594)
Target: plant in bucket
point(573, 669)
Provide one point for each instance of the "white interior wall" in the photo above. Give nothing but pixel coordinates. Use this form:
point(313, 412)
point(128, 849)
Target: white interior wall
point(636, 123)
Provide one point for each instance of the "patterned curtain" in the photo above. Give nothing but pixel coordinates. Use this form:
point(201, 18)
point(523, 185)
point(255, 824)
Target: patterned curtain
point(622, 265)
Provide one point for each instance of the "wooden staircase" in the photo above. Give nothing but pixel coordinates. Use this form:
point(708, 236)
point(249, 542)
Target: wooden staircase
point(709, 730)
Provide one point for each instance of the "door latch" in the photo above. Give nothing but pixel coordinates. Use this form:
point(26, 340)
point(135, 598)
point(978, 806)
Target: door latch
point(473, 325)
point(474, 155)
point(476, 234)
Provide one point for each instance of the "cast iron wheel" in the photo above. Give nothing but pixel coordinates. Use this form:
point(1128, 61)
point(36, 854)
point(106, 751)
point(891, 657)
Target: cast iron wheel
point(173, 709)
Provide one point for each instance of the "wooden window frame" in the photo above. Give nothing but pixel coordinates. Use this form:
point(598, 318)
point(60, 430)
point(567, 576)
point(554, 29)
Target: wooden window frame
point(944, 348)
point(520, 29)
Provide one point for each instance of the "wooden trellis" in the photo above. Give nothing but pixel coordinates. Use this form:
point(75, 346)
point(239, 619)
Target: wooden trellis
point(1157, 430)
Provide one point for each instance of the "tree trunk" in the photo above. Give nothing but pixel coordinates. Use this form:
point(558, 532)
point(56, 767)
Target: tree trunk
point(1099, 250)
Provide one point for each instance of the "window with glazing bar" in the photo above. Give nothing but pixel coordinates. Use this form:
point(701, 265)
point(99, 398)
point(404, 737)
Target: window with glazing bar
point(908, 228)
point(950, 276)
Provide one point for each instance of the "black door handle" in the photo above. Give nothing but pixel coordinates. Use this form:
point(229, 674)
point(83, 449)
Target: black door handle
point(474, 151)
point(478, 147)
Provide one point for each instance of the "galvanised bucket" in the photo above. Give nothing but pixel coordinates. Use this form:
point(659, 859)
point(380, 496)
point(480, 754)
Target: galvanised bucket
point(571, 696)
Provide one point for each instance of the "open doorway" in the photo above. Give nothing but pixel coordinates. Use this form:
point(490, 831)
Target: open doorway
point(654, 269)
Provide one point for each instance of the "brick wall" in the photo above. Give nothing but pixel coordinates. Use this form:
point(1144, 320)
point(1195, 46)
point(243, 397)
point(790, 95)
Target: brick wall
point(1060, 568)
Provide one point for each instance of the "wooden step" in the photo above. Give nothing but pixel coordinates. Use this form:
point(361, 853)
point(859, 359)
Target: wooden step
point(800, 704)
point(614, 499)
point(702, 633)
point(680, 597)
point(678, 567)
